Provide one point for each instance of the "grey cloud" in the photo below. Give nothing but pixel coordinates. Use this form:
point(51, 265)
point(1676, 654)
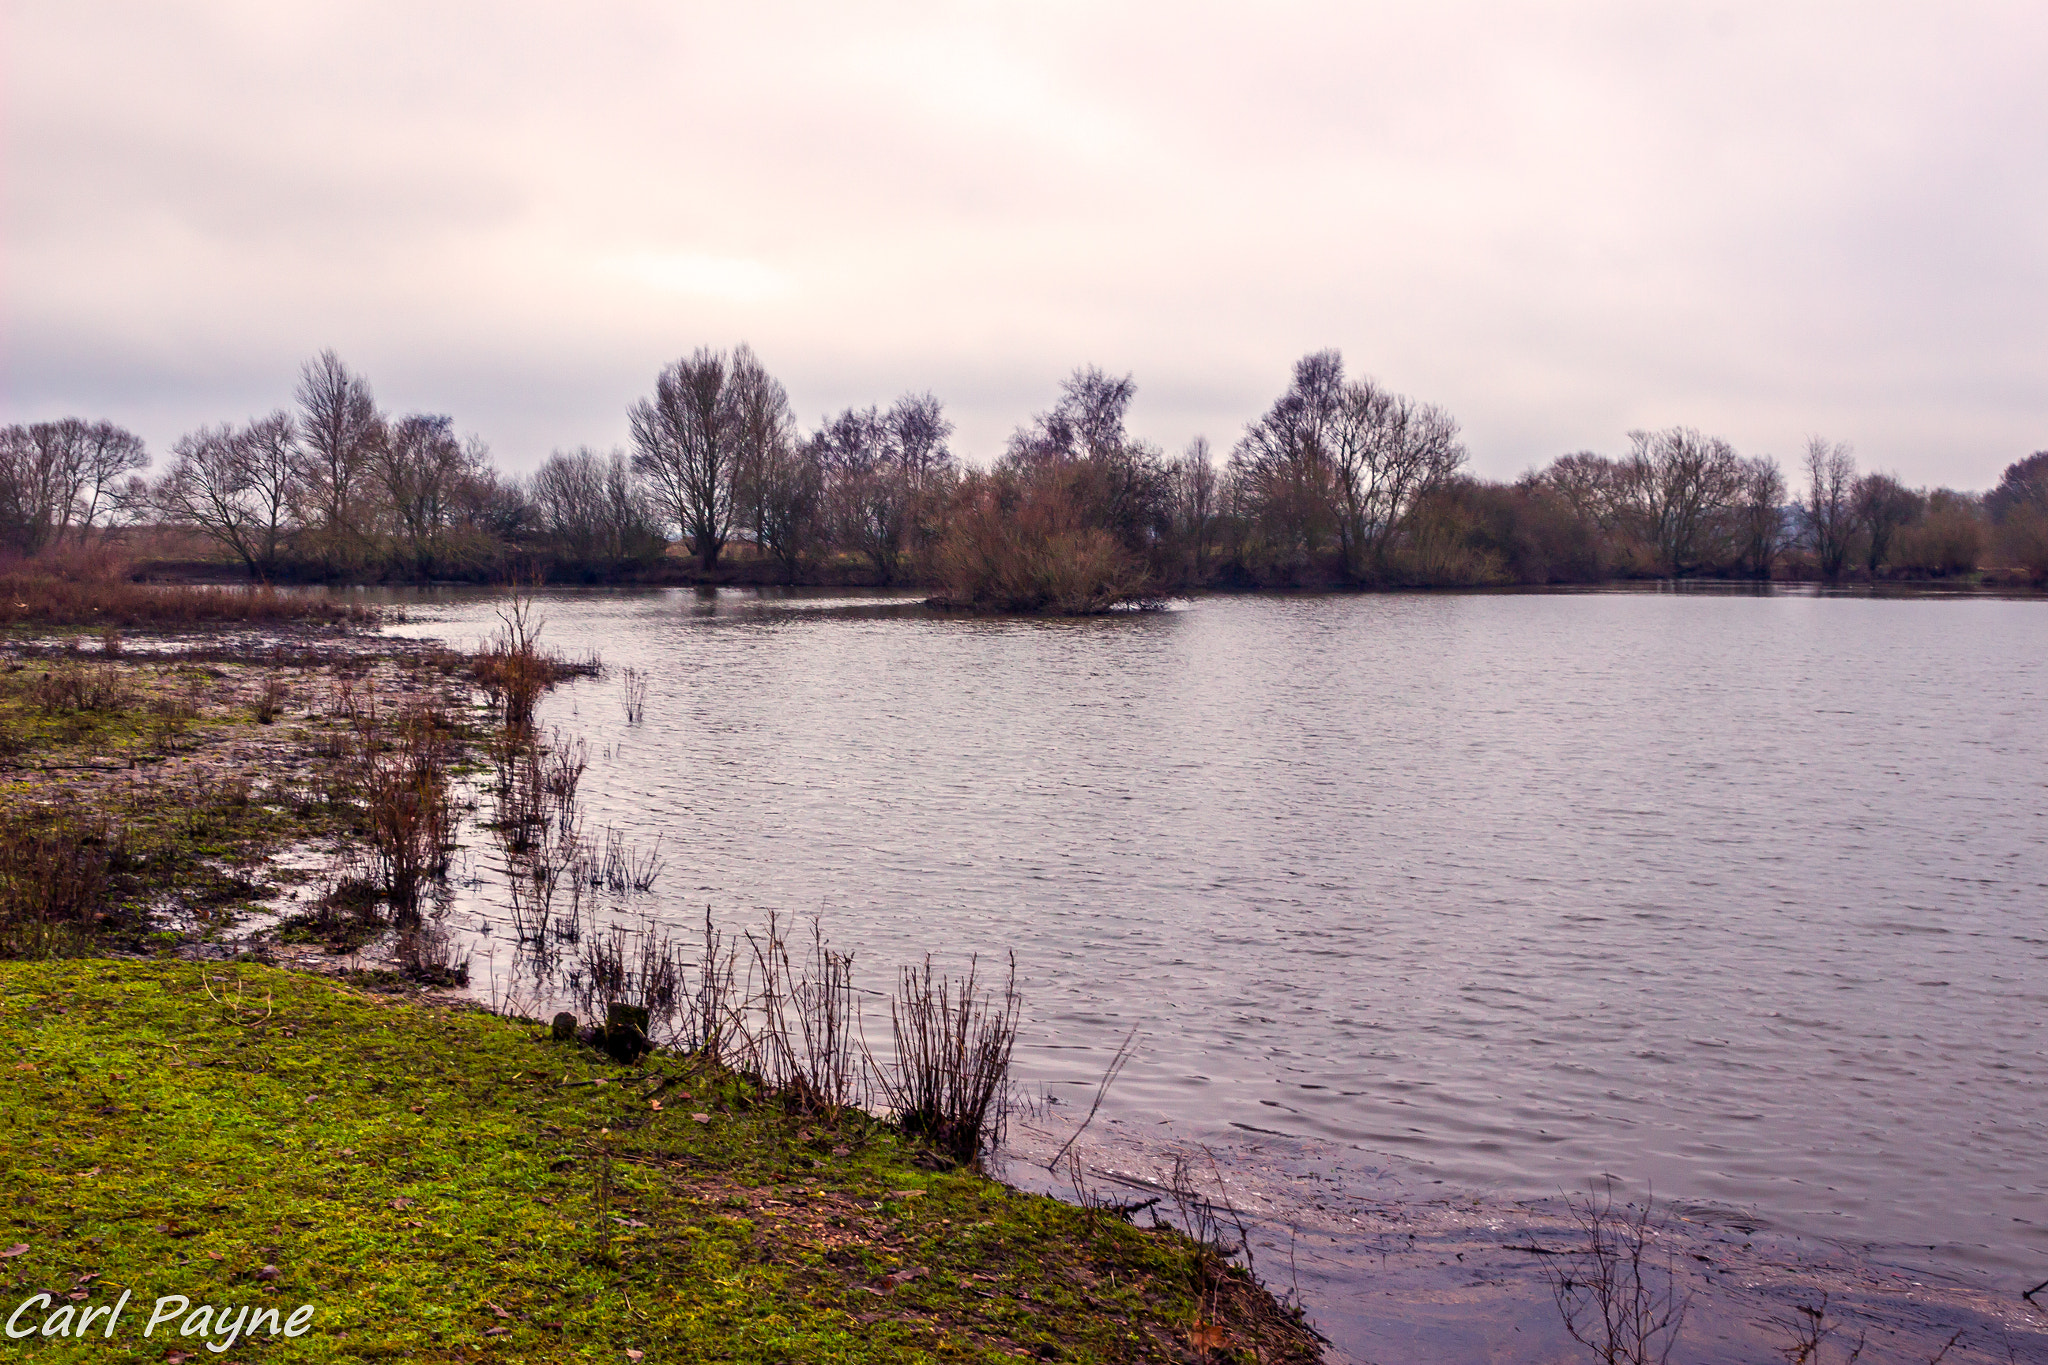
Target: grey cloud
point(1558, 221)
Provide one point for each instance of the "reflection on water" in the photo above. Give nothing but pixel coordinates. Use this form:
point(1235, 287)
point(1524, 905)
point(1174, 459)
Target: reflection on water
point(1742, 895)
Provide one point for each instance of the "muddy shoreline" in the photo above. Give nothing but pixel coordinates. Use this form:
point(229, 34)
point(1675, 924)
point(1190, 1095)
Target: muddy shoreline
point(1396, 1270)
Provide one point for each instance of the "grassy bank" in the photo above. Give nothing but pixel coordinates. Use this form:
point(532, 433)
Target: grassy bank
point(450, 1185)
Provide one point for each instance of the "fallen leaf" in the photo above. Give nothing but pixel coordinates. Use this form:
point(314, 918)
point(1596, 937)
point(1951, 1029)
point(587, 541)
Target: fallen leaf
point(842, 1151)
point(18, 1249)
point(213, 1255)
point(906, 1194)
point(77, 1294)
point(176, 1358)
point(419, 1109)
point(269, 1272)
point(346, 1151)
point(628, 1222)
point(401, 1203)
point(701, 1118)
point(498, 1332)
point(495, 1309)
point(84, 1174)
point(896, 1279)
point(654, 1104)
point(634, 1355)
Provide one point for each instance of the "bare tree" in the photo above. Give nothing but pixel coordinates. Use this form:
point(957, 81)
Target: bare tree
point(765, 432)
point(64, 476)
point(1760, 516)
point(687, 442)
point(1195, 499)
point(918, 432)
point(868, 496)
point(236, 488)
point(1342, 459)
point(61, 477)
point(592, 507)
point(341, 434)
point(785, 491)
point(1883, 507)
point(1388, 452)
point(1828, 515)
point(1117, 482)
point(420, 467)
point(1681, 486)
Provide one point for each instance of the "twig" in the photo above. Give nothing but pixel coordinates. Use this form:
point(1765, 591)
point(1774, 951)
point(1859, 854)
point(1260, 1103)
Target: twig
point(1109, 1075)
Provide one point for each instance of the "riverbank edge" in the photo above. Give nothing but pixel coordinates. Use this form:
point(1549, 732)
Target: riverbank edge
point(441, 1181)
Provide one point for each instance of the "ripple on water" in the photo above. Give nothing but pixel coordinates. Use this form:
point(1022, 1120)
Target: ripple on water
point(1737, 895)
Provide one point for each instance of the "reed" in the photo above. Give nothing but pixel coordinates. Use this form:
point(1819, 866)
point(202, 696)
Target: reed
point(54, 869)
point(806, 1043)
point(32, 598)
point(399, 769)
point(949, 1083)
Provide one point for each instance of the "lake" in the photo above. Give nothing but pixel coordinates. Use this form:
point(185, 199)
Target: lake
point(1741, 896)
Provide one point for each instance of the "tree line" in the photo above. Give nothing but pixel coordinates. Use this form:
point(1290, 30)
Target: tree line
point(1340, 482)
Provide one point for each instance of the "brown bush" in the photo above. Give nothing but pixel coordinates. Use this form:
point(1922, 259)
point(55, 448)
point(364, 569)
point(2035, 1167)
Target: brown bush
point(1023, 544)
point(1947, 539)
point(2023, 541)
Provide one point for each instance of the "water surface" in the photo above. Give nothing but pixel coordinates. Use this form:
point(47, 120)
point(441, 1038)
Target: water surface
point(1743, 896)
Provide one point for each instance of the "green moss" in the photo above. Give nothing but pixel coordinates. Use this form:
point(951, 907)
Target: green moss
point(428, 1177)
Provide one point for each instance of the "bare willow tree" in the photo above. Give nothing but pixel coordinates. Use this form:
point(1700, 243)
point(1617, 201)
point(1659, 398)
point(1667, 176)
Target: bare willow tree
point(1883, 507)
point(1388, 451)
point(1117, 481)
point(1760, 516)
point(421, 468)
point(783, 489)
point(868, 497)
point(687, 441)
point(1681, 485)
point(769, 488)
point(340, 436)
point(61, 478)
point(886, 478)
point(1828, 514)
point(1342, 460)
point(918, 433)
point(592, 508)
point(1195, 500)
point(236, 486)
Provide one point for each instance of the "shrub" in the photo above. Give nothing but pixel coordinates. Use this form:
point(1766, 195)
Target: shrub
point(1022, 543)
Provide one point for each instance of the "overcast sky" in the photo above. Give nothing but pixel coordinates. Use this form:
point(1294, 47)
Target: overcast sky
point(1560, 221)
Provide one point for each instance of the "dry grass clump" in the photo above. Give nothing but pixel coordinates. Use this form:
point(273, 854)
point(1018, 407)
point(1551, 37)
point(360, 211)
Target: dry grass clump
point(34, 598)
point(72, 687)
point(54, 869)
point(514, 671)
point(398, 767)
